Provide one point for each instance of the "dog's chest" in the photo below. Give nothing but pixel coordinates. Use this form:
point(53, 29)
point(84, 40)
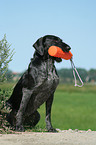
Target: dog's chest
point(45, 87)
point(48, 73)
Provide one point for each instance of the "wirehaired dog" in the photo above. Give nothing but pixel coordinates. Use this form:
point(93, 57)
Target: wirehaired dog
point(36, 86)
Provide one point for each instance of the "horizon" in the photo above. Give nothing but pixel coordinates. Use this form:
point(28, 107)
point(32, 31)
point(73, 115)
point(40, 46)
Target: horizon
point(57, 69)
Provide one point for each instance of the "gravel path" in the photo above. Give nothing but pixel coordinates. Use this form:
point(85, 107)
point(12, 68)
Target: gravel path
point(65, 137)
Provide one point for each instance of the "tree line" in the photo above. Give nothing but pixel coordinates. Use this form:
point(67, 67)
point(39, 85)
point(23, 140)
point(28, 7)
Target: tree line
point(65, 75)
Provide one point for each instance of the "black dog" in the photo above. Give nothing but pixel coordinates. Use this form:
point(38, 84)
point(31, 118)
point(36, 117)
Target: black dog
point(36, 86)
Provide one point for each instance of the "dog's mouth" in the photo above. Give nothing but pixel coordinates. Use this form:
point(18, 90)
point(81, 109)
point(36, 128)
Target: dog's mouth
point(56, 51)
point(64, 47)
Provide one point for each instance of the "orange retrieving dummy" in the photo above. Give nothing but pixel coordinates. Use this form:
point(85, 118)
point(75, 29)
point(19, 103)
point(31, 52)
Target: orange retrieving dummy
point(58, 52)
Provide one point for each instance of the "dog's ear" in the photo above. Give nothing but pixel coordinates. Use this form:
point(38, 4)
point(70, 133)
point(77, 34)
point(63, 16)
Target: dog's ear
point(38, 45)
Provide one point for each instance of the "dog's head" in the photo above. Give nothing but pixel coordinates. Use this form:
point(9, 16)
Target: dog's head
point(42, 45)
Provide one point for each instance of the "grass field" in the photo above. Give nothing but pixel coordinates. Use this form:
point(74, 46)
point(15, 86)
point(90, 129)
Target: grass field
point(73, 107)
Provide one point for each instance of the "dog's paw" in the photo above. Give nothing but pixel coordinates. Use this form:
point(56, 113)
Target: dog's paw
point(52, 130)
point(20, 128)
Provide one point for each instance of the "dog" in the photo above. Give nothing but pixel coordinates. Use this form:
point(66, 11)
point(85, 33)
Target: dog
point(36, 86)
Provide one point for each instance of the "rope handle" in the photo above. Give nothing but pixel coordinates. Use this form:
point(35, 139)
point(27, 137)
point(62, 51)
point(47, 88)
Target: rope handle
point(75, 70)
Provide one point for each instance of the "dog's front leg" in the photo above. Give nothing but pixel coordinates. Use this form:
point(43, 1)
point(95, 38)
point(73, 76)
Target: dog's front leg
point(48, 115)
point(19, 117)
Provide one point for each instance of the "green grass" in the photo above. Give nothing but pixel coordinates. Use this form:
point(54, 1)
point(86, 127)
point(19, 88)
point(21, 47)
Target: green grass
point(6, 86)
point(73, 107)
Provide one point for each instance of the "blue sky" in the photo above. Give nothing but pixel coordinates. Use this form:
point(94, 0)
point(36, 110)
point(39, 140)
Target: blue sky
point(74, 21)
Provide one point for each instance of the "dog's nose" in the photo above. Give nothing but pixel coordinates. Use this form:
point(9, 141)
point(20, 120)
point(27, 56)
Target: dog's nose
point(68, 47)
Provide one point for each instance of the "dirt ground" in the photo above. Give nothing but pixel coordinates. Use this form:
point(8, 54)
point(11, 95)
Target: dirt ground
point(65, 137)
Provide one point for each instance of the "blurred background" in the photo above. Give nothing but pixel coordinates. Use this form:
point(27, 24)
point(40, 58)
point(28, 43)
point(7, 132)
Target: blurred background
point(23, 22)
